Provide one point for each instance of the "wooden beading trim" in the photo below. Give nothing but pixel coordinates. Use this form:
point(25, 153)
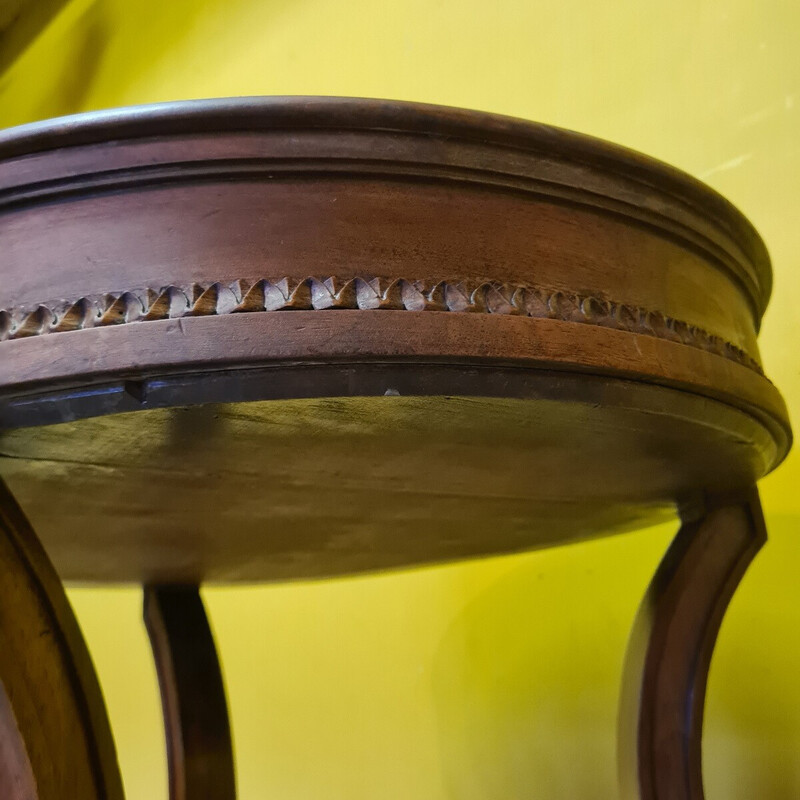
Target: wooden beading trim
point(397, 294)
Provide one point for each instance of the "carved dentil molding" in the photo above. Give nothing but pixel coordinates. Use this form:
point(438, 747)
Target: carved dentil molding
point(284, 294)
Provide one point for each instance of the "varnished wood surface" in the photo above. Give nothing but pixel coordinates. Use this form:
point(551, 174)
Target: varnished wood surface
point(277, 188)
point(199, 749)
point(284, 489)
point(357, 342)
point(361, 135)
point(353, 335)
point(664, 683)
point(55, 741)
point(419, 228)
point(253, 340)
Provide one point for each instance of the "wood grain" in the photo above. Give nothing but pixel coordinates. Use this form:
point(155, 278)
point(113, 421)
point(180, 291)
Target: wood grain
point(77, 362)
point(55, 740)
point(287, 489)
point(664, 685)
point(292, 337)
point(272, 187)
point(199, 749)
point(322, 294)
point(483, 335)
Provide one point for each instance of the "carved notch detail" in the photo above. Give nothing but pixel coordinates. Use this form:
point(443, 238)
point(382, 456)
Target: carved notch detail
point(399, 294)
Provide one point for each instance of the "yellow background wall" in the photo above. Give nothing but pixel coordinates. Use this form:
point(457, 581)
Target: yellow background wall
point(496, 679)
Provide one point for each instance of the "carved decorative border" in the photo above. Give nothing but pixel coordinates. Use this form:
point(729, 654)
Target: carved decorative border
point(285, 294)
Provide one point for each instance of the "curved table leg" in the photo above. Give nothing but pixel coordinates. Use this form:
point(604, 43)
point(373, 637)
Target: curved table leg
point(663, 692)
point(55, 740)
point(199, 750)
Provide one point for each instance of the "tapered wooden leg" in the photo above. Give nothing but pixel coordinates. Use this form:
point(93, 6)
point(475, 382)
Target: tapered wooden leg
point(55, 740)
point(664, 683)
point(199, 751)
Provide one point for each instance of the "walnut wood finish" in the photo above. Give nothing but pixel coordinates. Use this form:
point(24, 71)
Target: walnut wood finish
point(315, 173)
point(286, 489)
point(230, 192)
point(664, 685)
point(529, 292)
point(199, 749)
point(55, 741)
point(270, 339)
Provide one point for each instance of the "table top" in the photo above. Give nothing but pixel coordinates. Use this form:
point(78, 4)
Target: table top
point(277, 338)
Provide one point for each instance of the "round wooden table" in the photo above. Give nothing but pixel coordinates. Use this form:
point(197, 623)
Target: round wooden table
point(266, 339)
